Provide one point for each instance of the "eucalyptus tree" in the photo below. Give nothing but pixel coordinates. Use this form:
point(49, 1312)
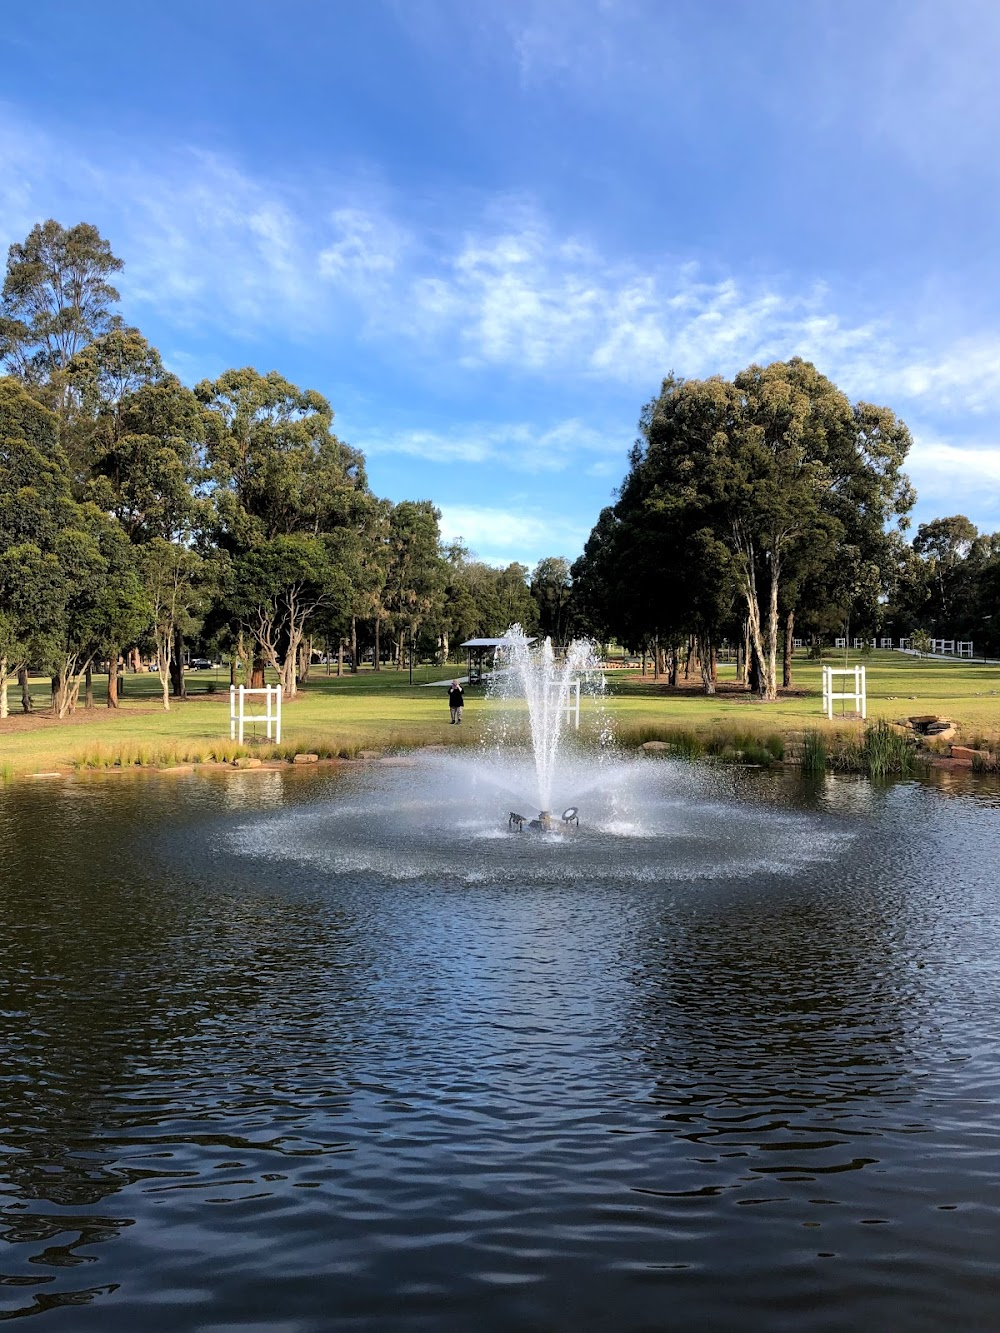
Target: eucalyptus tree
point(176, 578)
point(56, 299)
point(289, 501)
point(135, 445)
point(416, 577)
point(776, 465)
point(552, 590)
point(34, 500)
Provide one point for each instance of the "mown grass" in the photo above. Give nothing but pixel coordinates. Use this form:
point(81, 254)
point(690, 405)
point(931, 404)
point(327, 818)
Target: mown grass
point(383, 711)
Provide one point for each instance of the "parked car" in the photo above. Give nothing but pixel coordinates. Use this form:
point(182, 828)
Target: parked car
point(200, 664)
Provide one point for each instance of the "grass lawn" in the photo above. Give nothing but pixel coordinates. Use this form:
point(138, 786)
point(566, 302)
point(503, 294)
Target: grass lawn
point(382, 709)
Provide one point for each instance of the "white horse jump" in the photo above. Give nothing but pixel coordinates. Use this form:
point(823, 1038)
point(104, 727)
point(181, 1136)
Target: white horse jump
point(238, 715)
point(859, 694)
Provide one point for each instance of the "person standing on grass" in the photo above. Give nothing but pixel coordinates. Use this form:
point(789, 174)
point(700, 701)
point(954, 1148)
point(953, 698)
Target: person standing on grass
point(456, 702)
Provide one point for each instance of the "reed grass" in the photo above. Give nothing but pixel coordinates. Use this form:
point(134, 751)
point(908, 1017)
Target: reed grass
point(879, 750)
point(815, 755)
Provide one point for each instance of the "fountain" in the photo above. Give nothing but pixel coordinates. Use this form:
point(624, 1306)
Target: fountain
point(550, 687)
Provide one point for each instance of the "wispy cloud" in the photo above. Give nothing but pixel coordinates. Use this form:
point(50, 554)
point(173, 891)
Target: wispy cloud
point(520, 446)
point(502, 288)
point(502, 535)
point(952, 479)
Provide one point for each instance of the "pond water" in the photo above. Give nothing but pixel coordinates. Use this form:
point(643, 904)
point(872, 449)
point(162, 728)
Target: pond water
point(296, 1051)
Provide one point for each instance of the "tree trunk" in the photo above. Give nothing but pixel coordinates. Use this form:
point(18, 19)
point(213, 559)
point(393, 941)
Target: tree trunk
point(136, 660)
point(675, 663)
point(747, 650)
point(354, 645)
point(377, 663)
point(257, 667)
point(64, 696)
point(771, 680)
point(644, 659)
point(113, 676)
point(340, 656)
point(689, 657)
point(786, 673)
point(4, 705)
point(707, 662)
point(656, 659)
point(305, 660)
point(88, 698)
point(27, 703)
point(232, 669)
point(754, 676)
point(177, 687)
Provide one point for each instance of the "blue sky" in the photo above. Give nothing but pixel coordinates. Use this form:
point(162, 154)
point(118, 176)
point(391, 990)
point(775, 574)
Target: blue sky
point(485, 229)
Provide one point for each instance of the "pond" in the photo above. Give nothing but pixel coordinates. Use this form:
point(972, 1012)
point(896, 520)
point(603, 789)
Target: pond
point(299, 1051)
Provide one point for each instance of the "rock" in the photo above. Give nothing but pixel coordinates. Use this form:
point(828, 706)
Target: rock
point(306, 759)
point(46, 775)
point(178, 768)
point(963, 755)
point(654, 745)
point(247, 761)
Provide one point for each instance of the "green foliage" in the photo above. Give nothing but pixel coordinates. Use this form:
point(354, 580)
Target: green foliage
point(742, 496)
point(56, 298)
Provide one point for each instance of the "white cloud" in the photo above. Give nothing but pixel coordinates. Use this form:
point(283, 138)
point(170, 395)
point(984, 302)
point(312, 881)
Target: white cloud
point(209, 245)
point(953, 479)
point(519, 446)
point(501, 535)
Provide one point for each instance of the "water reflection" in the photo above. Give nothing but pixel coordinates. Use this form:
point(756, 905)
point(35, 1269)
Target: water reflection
point(255, 1073)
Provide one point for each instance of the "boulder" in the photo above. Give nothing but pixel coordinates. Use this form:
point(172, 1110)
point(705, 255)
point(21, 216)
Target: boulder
point(247, 761)
point(963, 755)
point(654, 745)
point(306, 759)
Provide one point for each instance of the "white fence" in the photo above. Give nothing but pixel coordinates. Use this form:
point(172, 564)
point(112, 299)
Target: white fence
point(859, 694)
point(238, 714)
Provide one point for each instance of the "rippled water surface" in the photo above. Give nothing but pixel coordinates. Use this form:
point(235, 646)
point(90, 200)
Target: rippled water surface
point(296, 1052)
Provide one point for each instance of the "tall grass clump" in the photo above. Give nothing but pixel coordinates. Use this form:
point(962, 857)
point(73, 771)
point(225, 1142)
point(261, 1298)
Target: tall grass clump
point(6, 773)
point(887, 752)
point(814, 754)
point(880, 751)
point(685, 744)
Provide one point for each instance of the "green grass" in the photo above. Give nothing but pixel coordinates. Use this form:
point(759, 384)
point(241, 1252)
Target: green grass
point(381, 710)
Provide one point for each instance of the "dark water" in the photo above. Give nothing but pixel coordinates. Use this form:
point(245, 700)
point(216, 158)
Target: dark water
point(279, 1054)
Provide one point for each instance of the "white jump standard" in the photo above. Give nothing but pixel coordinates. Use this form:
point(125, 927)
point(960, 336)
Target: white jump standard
point(859, 694)
point(271, 716)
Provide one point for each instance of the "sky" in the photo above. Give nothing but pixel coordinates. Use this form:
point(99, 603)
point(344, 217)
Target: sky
point(487, 229)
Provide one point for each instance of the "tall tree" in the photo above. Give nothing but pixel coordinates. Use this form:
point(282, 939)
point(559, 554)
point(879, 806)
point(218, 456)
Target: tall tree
point(56, 299)
point(552, 589)
point(289, 499)
point(416, 577)
point(776, 465)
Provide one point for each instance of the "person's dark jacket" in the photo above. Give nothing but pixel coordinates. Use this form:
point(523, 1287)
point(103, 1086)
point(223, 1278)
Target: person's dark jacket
point(456, 699)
